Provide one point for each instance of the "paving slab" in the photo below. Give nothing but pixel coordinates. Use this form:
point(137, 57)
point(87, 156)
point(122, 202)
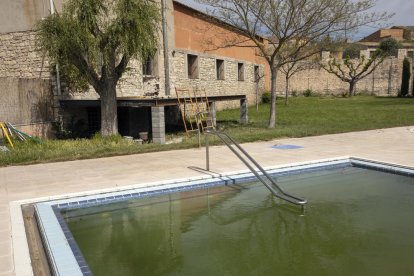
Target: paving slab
point(394, 145)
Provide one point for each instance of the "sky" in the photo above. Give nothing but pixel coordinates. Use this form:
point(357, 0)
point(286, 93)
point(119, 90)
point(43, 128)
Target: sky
point(403, 9)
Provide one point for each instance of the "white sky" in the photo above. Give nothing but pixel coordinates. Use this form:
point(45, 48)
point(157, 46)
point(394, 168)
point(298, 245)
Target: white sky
point(403, 9)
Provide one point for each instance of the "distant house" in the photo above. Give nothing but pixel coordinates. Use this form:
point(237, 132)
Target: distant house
point(403, 34)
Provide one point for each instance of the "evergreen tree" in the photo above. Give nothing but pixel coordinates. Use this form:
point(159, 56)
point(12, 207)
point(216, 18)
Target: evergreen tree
point(406, 75)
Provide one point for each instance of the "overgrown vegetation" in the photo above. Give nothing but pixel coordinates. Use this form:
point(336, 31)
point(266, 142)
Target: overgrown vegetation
point(303, 117)
point(308, 93)
point(266, 97)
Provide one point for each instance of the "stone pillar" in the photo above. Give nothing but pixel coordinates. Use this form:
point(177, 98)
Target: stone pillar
point(402, 53)
point(244, 111)
point(213, 113)
point(158, 124)
point(325, 55)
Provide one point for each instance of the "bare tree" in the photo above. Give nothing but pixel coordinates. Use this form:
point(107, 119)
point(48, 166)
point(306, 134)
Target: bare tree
point(353, 70)
point(290, 69)
point(355, 67)
point(297, 23)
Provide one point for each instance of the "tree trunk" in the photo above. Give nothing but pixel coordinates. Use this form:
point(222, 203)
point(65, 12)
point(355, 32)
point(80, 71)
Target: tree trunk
point(273, 76)
point(109, 112)
point(352, 89)
point(286, 90)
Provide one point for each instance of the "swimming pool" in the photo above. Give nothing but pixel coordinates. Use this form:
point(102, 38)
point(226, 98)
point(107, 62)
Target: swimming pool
point(357, 222)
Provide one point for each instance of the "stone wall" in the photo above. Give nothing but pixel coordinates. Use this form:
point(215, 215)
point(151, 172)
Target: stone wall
point(19, 58)
point(28, 104)
point(384, 81)
point(208, 77)
point(132, 83)
point(26, 97)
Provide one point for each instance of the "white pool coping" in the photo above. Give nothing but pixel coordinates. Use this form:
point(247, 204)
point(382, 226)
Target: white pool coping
point(21, 253)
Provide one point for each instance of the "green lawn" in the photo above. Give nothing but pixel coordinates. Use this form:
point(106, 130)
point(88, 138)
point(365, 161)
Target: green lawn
point(302, 117)
point(321, 115)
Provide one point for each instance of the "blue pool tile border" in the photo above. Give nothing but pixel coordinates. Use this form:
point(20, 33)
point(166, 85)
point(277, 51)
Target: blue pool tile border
point(53, 226)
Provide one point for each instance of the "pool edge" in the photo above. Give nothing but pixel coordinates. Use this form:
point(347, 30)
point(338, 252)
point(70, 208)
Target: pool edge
point(22, 262)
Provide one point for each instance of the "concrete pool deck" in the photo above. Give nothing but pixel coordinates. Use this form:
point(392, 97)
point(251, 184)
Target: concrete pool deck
point(395, 145)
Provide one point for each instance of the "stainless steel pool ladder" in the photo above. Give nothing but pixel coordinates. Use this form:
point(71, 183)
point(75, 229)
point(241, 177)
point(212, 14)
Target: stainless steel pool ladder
point(264, 177)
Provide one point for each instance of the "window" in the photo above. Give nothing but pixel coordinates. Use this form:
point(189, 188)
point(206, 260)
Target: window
point(410, 54)
point(256, 73)
point(220, 69)
point(149, 67)
point(192, 63)
point(240, 69)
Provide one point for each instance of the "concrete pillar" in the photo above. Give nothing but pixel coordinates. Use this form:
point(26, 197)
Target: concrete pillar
point(158, 124)
point(213, 112)
point(244, 111)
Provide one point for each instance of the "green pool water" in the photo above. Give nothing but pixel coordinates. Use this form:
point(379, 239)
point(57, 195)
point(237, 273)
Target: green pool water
point(358, 222)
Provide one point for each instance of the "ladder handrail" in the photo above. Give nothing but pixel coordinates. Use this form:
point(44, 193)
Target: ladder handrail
point(279, 192)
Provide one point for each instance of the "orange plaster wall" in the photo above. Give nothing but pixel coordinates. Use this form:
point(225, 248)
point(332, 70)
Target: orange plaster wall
point(196, 33)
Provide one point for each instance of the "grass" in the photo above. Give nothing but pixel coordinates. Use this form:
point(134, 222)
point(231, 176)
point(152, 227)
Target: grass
point(312, 116)
point(302, 117)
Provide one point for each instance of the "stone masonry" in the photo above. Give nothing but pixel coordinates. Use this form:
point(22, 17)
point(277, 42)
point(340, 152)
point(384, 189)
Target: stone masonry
point(26, 97)
point(208, 79)
point(384, 81)
point(132, 83)
point(19, 58)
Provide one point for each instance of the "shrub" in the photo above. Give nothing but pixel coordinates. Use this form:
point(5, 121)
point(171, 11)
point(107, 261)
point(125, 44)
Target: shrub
point(352, 51)
point(266, 97)
point(406, 74)
point(308, 93)
point(294, 93)
point(390, 47)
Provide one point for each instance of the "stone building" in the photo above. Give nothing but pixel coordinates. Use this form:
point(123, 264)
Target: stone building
point(146, 93)
point(190, 54)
